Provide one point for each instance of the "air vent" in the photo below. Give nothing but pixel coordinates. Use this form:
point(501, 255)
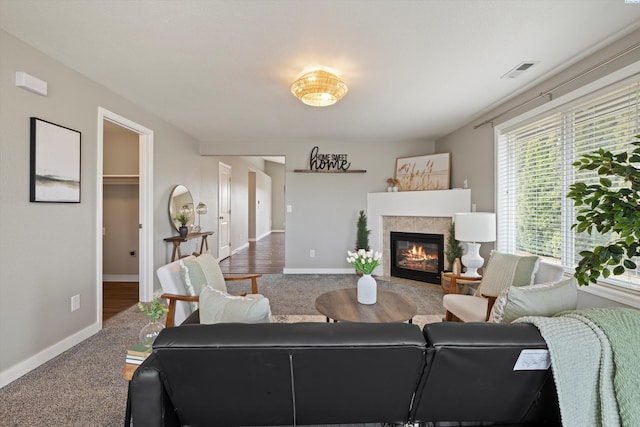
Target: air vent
point(519, 69)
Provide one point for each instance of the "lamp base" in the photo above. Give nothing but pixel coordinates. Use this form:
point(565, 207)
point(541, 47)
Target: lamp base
point(472, 260)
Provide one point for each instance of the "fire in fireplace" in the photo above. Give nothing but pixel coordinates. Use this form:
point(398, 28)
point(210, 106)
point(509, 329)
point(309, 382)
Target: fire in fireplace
point(417, 256)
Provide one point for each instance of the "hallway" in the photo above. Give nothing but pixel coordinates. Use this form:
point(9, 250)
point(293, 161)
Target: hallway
point(265, 256)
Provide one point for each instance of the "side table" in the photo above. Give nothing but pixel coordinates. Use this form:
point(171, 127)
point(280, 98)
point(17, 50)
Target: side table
point(453, 289)
point(177, 240)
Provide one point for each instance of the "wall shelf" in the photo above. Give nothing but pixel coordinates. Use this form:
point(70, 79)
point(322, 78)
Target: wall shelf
point(329, 171)
point(120, 179)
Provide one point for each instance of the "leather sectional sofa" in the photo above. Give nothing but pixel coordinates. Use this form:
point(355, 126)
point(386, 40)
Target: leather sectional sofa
point(343, 373)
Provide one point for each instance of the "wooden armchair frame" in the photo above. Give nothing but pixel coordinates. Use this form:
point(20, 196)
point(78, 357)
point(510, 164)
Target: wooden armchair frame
point(173, 298)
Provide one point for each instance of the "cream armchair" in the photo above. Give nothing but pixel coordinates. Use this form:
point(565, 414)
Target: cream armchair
point(501, 272)
point(183, 297)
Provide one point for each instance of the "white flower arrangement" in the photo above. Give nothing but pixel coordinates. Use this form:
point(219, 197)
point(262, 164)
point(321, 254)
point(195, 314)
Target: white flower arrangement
point(364, 261)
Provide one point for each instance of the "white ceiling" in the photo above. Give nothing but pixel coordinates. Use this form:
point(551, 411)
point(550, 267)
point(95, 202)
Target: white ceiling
point(221, 70)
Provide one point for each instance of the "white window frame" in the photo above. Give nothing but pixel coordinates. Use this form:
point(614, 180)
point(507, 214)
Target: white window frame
point(604, 288)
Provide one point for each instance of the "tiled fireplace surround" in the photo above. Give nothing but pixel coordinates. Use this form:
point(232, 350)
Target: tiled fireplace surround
point(412, 212)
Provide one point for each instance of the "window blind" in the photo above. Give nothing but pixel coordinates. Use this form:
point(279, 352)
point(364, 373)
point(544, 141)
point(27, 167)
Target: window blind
point(535, 169)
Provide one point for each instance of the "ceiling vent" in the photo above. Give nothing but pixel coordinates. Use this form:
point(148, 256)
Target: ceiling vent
point(519, 69)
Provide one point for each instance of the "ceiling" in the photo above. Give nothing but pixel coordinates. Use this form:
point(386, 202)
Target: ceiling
point(221, 70)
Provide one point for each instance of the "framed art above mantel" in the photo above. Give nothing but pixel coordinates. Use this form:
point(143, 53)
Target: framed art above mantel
point(428, 172)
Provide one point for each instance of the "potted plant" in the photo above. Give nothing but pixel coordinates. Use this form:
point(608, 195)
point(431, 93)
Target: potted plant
point(154, 310)
point(365, 261)
point(392, 184)
point(610, 206)
point(362, 233)
point(183, 219)
point(453, 249)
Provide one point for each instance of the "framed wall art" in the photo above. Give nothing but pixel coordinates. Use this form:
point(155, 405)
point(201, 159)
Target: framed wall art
point(55, 163)
point(429, 172)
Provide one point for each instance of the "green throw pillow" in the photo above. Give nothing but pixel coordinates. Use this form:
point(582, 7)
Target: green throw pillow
point(539, 300)
point(526, 270)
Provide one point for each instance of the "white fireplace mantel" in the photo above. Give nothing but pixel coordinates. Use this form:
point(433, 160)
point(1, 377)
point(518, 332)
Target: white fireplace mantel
point(435, 203)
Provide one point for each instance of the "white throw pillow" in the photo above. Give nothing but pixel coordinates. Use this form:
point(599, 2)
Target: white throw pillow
point(536, 300)
point(220, 307)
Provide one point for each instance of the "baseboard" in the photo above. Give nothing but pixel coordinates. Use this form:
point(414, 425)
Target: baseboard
point(317, 271)
point(236, 250)
point(16, 371)
point(120, 278)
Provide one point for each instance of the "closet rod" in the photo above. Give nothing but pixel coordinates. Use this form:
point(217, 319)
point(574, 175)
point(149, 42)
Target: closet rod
point(549, 92)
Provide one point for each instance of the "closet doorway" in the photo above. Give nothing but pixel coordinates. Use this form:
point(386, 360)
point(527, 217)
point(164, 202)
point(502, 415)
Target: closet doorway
point(124, 235)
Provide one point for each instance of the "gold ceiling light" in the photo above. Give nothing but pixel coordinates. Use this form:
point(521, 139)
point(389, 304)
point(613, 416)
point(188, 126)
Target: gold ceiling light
point(319, 88)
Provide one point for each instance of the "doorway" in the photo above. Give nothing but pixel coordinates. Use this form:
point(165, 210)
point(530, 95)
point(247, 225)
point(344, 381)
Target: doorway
point(140, 216)
point(224, 210)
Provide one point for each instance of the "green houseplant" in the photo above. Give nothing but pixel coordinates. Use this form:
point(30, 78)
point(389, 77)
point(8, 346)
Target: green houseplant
point(610, 206)
point(453, 249)
point(362, 233)
point(183, 219)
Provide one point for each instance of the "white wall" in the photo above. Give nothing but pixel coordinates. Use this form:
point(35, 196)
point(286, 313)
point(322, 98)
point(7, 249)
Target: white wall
point(48, 250)
point(277, 173)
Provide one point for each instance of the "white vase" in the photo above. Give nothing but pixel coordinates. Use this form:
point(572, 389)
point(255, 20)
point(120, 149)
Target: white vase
point(367, 289)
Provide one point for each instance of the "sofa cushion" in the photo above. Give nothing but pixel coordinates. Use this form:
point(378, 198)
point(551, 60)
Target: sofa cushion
point(220, 307)
point(536, 300)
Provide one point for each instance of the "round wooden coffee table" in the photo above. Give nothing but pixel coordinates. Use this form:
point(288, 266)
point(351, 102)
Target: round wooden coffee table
point(343, 305)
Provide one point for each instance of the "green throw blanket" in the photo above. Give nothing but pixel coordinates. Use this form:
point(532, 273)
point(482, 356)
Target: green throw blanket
point(595, 358)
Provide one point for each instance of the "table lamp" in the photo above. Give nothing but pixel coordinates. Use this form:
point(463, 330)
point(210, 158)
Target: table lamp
point(201, 209)
point(471, 228)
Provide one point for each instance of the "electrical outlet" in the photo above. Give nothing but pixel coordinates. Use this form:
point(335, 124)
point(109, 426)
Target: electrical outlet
point(75, 302)
point(312, 253)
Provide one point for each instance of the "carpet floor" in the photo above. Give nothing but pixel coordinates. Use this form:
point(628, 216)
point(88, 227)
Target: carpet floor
point(84, 385)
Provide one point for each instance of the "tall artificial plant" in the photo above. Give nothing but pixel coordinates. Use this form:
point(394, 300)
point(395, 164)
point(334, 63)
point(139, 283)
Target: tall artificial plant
point(453, 249)
point(362, 234)
point(610, 206)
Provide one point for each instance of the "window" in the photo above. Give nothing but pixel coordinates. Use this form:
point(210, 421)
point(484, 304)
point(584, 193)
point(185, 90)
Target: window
point(534, 172)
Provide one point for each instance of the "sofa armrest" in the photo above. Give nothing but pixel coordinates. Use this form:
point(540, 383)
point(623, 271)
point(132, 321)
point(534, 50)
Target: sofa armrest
point(150, 404)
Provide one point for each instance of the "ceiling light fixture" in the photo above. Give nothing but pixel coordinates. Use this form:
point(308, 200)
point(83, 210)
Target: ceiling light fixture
point(319, 88)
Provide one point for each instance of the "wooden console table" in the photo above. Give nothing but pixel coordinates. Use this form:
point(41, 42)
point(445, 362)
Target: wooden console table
point(177, 240)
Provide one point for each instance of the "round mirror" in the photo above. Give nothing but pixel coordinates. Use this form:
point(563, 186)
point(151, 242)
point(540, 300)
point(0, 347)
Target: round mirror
point(181, 202)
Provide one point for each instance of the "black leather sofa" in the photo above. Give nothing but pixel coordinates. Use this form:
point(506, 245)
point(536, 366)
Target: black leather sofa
point(342, 373)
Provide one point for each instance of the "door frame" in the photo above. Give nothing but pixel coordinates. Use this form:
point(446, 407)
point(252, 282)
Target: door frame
point(145, 203)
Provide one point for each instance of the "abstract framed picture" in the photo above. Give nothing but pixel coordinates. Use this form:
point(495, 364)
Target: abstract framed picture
point(55, 163)
point(429, 172)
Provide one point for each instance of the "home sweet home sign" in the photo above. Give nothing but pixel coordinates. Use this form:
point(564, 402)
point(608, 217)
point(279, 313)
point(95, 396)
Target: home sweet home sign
point(328, 163)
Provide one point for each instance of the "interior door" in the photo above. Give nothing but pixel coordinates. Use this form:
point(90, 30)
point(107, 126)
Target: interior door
point(224, 210)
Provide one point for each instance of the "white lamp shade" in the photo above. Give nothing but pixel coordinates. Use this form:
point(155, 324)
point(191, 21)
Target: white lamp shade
point(475, 226)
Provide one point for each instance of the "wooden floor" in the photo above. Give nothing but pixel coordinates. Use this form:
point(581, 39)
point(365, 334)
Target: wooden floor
point(265, 256)
point(117, 297)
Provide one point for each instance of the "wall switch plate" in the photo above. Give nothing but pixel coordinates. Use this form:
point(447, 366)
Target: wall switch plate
point(312, 253)
point(289, 208)
point(75, 302)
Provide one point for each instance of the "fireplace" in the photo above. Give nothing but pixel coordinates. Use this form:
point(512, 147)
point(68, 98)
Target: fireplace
point(417, 256)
